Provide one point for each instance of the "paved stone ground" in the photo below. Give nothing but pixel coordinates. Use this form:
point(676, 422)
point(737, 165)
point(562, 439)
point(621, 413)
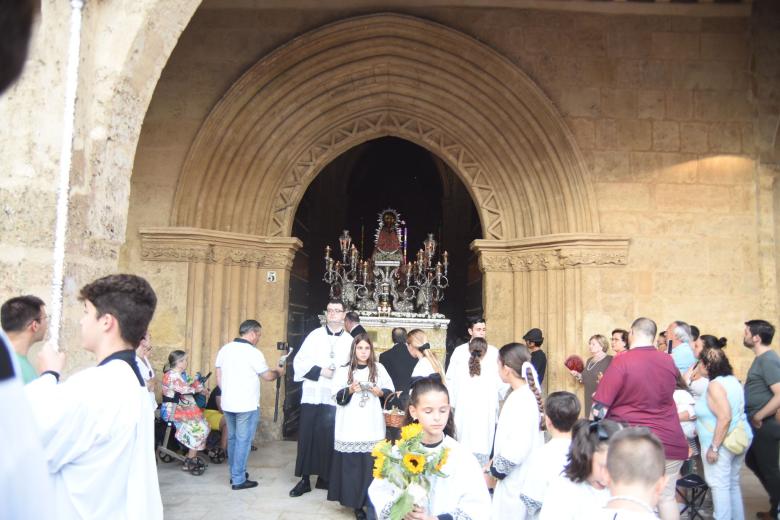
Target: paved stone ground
point(209, 496)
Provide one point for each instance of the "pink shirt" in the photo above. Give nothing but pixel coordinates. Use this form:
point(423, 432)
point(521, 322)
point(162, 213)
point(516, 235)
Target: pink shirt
point(638, 387)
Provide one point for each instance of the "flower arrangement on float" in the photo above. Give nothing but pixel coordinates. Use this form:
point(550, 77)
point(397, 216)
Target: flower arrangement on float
point(409, 466)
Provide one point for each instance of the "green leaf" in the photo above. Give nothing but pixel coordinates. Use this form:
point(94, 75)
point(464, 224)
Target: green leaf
point(402, 506)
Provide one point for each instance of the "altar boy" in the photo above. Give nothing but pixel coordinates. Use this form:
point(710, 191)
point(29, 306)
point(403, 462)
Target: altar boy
point(97, 428)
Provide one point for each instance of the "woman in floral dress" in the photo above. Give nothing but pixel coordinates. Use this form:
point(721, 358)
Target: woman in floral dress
point(191, 428)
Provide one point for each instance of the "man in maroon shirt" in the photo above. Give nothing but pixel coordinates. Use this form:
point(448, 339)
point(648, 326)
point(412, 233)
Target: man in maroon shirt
point(637, 389)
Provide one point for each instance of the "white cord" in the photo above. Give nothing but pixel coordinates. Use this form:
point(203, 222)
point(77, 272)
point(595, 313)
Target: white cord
point(66, 153)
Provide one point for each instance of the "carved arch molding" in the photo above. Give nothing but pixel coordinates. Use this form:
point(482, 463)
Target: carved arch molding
point(335, 87)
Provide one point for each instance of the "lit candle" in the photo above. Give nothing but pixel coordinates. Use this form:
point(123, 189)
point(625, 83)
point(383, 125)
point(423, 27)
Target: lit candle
point(327, 252)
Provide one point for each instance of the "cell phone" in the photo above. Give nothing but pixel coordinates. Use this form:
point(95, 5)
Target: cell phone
point(669, 346)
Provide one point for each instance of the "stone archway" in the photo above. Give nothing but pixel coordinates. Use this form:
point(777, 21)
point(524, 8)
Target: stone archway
point(376, 75)
point(355, 80)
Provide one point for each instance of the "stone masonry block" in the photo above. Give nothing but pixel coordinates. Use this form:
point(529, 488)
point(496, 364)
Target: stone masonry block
point(722, 106)
point(693, 137)
point(725, 46)
point(675, 46)
point(663, 167)
point(623, 196)
point(581, 102)
point(658, 74)
point(666, 136)
point(685, 198)
point(726, 169)
point(627, 73)
point(725, 137)
point(611, 166)
point(651, 104)
point(584, 131)
point(708, 75)
point(618, 103)
point(628, 44)
point(679, 104)
point(623, 134)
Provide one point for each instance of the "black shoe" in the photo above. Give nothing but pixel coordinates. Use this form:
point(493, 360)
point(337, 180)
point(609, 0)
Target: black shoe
point(245, 485)
point(246, 476)
point(360, 514)
point(321, 483)
point(303, 486)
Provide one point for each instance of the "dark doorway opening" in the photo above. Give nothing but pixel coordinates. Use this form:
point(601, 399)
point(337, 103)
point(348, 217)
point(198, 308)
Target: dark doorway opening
point(349, 194)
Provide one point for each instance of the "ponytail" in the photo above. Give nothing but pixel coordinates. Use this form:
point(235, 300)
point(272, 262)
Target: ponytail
point(530, 377)
point(477, 348)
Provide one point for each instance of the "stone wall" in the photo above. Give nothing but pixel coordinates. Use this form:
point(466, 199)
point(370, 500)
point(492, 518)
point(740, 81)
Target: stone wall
point(660, 107)
point(667, 111)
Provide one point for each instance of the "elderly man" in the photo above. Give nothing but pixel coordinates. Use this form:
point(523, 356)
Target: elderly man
point(352, 324)
point(637, 389)
point(678, 336)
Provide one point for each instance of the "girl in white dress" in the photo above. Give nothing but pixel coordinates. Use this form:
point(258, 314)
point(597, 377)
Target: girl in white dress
point(476, 390)
point(462, 494)
point(359, 388)
point(581, 492)
point(519, 432)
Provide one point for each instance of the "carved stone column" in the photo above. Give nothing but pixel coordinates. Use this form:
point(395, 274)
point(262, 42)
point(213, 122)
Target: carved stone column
point(232, 277)
point(537, 282)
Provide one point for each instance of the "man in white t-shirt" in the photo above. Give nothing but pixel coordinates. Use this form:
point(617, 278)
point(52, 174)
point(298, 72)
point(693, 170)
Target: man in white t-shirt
point(238, 365)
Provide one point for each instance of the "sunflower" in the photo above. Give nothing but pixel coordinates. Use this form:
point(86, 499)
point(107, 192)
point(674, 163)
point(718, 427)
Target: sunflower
point(379, 447)
point(410, 431)
point(379, 463)
point(414, 463)
point(443, 460)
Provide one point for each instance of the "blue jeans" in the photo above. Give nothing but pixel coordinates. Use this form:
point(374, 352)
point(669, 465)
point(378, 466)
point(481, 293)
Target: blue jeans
point(723, 479)
point(241, 430)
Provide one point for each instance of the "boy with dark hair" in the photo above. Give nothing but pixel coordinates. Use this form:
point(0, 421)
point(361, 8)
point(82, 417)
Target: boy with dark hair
point(97, 428)
point(562, 409)
point(762, 406)
point(25, 321)
point(533, 340)
point(636, 467)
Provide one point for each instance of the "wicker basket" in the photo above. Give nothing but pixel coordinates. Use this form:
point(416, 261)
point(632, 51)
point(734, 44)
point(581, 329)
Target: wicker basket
point(394, 418)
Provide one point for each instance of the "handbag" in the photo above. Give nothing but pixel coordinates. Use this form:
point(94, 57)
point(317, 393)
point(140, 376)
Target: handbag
point(736, 440)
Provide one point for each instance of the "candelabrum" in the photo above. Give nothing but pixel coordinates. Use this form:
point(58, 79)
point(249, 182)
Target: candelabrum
point(389, 285)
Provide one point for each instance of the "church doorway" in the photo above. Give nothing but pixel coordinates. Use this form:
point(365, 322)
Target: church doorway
point(349, 194)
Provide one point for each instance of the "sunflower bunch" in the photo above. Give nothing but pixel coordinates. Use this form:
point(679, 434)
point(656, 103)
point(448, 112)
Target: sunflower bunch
point(409, 466)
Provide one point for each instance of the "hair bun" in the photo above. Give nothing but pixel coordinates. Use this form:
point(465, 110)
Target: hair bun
point(722, 342)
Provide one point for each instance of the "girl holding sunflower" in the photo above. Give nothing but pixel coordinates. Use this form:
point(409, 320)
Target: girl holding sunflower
point(453, 486)
point(519, 431)
point(359, 388)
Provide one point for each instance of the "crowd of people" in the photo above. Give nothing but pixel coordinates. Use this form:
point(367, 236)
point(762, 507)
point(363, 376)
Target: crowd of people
point(616, 451)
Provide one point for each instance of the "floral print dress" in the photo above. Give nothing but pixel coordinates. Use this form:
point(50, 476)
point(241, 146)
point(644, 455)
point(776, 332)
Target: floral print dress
point(191, 428)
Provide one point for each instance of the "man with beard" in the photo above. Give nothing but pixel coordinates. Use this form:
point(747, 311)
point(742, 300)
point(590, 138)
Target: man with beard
point(762, 404)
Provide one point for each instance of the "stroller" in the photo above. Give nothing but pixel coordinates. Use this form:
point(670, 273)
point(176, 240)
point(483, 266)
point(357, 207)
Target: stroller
point(169, 448)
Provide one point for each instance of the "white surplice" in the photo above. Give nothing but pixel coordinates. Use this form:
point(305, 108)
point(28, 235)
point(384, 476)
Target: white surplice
point(25, 487)
point(463, 494)
point(476, 401)
point(97, 431)
point(517, 437)
point(359, 428)
point(323, 350)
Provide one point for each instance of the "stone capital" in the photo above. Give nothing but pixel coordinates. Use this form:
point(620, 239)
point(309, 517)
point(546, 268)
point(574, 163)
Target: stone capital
point(194, 245)
point(549, 252)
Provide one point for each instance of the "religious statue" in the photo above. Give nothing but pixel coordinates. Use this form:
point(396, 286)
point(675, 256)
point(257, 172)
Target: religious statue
point(386, 283)
point(387, 241)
